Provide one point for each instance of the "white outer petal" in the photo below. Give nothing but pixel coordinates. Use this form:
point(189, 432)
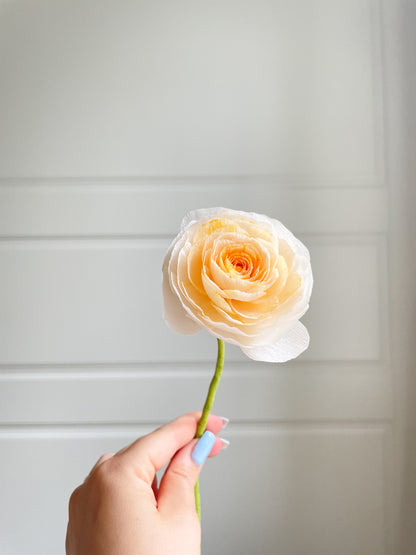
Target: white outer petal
point(201, 214)
point(173, 312)
point(291, 345)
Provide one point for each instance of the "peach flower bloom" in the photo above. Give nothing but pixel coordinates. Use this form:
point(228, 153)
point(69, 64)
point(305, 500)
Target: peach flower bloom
point(243, 277)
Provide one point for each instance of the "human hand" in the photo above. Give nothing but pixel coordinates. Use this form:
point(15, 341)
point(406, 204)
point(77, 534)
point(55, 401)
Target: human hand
point(120, 510)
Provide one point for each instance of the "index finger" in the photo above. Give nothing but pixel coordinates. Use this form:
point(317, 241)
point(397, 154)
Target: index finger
point(150, 453)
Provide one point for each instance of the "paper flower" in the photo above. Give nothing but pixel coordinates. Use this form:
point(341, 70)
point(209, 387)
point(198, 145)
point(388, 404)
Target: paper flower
point(244, 277)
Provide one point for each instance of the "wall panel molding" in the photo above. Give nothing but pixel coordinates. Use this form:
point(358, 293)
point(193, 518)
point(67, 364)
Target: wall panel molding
point(315, 475)
point(291, 394)
point(58, 295)
point(116, 119)
point(129, 210)
point(300, 70)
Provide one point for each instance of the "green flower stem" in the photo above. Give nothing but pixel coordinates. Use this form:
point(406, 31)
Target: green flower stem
point(207, 409)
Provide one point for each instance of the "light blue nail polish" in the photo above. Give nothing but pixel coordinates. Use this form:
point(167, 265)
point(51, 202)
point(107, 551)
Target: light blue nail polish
point(203, 447)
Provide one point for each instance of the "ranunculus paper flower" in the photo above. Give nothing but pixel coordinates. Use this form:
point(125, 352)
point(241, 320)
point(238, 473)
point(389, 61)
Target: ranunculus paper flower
point(244, 277)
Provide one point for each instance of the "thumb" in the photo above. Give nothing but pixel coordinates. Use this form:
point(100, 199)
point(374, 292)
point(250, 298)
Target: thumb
point(176, 491)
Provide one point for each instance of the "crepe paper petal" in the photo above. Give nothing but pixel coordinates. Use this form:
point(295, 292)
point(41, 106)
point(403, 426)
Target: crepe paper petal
point(288, 347)
point(173, 313)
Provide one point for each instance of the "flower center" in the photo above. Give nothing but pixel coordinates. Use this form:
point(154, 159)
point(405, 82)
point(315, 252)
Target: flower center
point(236, 260)
point(238, 263)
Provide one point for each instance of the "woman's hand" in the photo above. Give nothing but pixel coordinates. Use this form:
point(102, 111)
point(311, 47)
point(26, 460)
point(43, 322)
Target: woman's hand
point(120, 510)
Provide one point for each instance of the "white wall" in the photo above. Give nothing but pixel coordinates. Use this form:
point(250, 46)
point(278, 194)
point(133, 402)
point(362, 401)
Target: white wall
point(118, 117)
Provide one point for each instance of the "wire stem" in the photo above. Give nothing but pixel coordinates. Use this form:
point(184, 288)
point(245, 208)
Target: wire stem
point(207, 409)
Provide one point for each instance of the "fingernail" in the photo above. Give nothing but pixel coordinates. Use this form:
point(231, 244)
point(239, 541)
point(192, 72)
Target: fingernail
point(203, 448)
point(225, 422)
point(225, 443)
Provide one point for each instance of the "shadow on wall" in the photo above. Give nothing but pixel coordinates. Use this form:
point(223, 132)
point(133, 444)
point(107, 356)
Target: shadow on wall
point(407, 522)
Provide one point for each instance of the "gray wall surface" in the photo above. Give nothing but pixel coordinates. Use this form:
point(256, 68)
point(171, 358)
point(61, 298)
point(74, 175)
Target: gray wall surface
point(116, 118)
